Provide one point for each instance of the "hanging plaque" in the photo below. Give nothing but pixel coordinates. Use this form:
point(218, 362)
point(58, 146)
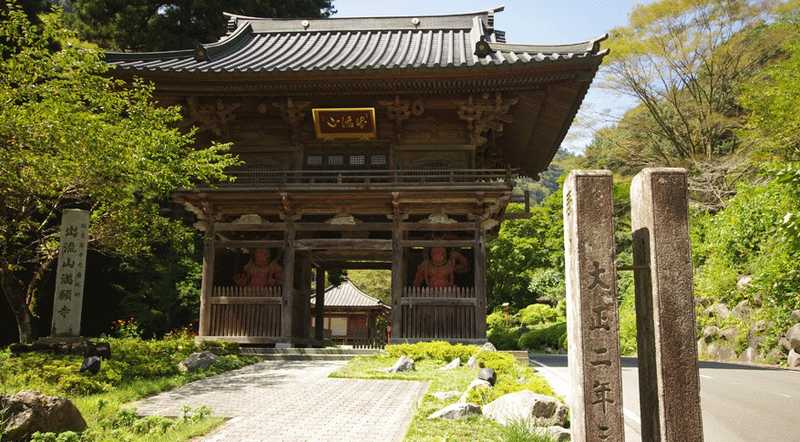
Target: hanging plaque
point(339, 123)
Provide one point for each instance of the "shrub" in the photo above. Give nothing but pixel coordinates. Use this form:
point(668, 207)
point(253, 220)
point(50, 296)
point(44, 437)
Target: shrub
point(504, 338)
point(545, 336)
point(537, 314)
point(436, 350)
point(519, 430)
point(511, 376)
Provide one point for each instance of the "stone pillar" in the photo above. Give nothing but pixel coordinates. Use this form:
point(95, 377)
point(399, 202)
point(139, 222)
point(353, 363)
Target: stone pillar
point(68, 300)
point(319, 306)
point(592, 320)
point(669, 388)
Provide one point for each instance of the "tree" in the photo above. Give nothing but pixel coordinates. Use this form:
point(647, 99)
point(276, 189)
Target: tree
point(157, 25)
point(683, 62)
point(72, 136)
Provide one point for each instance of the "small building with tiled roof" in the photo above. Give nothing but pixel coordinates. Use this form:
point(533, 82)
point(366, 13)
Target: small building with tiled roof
point(351, 316)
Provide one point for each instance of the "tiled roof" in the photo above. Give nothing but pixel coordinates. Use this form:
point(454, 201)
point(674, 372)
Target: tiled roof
point(347, 294)
point(366, 43)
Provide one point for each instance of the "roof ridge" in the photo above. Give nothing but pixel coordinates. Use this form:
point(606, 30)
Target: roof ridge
point(499, 8)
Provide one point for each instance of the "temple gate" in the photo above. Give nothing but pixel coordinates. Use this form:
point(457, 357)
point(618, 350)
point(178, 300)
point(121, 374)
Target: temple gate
point(375, 142)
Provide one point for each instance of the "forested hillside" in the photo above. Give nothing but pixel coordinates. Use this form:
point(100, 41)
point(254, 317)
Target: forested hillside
point(717, 84)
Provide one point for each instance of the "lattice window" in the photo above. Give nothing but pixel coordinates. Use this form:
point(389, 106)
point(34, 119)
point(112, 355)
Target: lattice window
point(378, 160)
point(358, 160)
point(314, 160)
point(335, 160)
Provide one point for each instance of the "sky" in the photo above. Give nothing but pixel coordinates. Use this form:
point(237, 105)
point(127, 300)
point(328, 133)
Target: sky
point(530, 21)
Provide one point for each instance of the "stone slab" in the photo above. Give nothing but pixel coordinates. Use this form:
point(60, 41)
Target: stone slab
point(70, 273)
point(669, 385)
point(592, 319)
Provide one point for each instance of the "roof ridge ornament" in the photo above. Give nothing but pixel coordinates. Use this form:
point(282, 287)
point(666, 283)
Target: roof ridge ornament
point(200, 53)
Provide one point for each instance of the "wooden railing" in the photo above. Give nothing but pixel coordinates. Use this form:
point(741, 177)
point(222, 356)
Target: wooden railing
point(245, 311)
point(264, 177)
point(438, 313)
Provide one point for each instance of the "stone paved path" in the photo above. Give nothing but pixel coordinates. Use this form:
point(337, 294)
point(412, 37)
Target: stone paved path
point(296, 401)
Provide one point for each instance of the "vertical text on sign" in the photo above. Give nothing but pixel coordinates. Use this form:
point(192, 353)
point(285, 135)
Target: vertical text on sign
point(70, 273)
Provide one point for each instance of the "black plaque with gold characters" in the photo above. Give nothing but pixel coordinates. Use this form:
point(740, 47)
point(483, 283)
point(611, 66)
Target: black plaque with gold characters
point(339, 123)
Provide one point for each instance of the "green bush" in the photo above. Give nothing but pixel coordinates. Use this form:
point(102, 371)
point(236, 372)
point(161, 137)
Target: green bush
point(537, 314)
point(504, 338)
point(544, 336)
point(436, 350)
point(511, 376)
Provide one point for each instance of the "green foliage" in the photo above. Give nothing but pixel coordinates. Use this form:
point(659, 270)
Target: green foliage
point(536, 314)
point(520, 430)
point(376, 283)
point(152, 25)
point(437, 351)
point(544, 336)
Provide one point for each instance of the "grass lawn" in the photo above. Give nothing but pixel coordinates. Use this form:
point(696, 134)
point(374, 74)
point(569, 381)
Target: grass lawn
point(511, 377)
point(138, 368)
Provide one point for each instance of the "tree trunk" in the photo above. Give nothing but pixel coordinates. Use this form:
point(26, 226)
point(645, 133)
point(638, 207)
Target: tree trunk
point(15, 296)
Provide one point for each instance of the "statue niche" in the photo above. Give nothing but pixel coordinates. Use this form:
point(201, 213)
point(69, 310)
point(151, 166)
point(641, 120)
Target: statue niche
point(440, 267)
point(260, 271)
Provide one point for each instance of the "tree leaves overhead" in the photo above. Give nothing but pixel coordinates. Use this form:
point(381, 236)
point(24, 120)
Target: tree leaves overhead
point(153, 25)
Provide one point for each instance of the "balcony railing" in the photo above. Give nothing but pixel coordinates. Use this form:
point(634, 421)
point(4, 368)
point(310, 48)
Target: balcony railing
point(265, 178)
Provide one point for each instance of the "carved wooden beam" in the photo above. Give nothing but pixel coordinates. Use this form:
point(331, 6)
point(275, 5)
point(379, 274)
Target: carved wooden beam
point(486, 113)
point(399, 110)
point(214, 117)
point(293, 113)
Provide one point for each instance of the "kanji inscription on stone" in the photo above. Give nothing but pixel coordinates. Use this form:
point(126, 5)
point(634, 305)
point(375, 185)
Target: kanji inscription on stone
point(68, 299)
point(592, 320)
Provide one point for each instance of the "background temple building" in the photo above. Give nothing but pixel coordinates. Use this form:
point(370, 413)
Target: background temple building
point(368, 143)
point(353, 317)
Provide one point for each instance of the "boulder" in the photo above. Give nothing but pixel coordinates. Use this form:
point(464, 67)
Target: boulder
point(472, 362)
point(702, 347)
point(526, 405)
point(796, 315)
point(91, 364)
point(784, 343)
point(477, 383)
point(718, 310)
point(488, 347)
point(720, 351)
point(793, 335)
point(744, 281)
point(710, 331)
point(775, 356)
point(197, 361)
point(749, 355)
point(793, 361)
point(404, 363)
point(28, 412)
point(488, 375)
point(445, 395)
point(728, 334)
point(458, 410)
point(455, 363)
point(760, 326)
point(559, 434)
point(742, 310)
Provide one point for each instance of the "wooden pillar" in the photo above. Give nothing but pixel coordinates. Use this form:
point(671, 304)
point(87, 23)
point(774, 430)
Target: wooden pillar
point(669, 384)
point(287, 307)
point(207, 285)
point(479, 255)
point(398, 279)
point(319, 311)
point(301, 320)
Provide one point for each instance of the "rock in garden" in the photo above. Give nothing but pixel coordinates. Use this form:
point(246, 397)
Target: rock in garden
point(488, 375)
point(28, 412)
point(476, 383)
point(760, 326)
point(559, 434)
point(793, 335)
point(793, 361)
point(524, 405)
point(719, 310)
point(784, 343)
point(90, 365)
point(488, 347)
point(472, 362)
point(728, 334)
point(459, 410)
point(721, 351)
point(197, 361)
point(404, 363)
point(796, 315)
point(710, 331)
point(455, 363)
point(749, 355)
point(743, 282)
point(19, 348)
point(445, 395)
point(742, 310)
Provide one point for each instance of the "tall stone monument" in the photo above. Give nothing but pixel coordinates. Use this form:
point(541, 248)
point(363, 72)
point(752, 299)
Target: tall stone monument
point(669, 387)
point(68, 300)
point(592, 320)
